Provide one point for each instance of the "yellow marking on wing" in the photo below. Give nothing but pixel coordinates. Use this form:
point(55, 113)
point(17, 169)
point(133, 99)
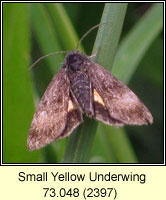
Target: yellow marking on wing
point(98, 98)
point(70, 106)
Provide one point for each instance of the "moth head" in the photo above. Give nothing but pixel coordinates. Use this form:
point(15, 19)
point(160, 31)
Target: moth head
point(75, 61)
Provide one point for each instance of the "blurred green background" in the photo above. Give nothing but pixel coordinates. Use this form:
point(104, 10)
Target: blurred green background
point(33, 30)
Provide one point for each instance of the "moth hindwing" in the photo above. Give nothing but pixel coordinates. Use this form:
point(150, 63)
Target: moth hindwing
point(83, 87)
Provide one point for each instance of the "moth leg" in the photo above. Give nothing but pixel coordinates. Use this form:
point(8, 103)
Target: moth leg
point(95, 54)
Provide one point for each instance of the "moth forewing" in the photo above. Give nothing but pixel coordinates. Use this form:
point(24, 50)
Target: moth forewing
point(50, 118)
point(122, 104)
point(101, 112)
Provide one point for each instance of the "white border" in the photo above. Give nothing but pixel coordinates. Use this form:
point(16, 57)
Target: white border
point(59, 164)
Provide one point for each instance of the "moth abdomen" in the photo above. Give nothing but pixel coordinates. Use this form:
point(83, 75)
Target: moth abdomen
point(79, 81)
point(81, 88)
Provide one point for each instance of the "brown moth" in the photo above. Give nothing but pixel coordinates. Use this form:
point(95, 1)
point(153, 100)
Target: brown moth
point(83, 87)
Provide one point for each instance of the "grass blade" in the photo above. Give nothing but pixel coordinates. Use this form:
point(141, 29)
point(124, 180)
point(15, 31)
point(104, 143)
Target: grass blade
point(64, 27)
point(80, 143)
point(137, 41)
point(45, 34)
point(107, 39)
point(17, 100)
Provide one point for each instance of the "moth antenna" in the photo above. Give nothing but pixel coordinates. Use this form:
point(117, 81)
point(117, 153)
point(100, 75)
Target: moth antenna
point(41, 58)
point(91, 29)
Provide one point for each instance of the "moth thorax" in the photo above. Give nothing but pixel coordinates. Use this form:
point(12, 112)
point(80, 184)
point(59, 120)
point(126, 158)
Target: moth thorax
point(75, 62)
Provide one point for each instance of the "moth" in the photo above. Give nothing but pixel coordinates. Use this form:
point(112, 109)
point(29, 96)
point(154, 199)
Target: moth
point(83, 87)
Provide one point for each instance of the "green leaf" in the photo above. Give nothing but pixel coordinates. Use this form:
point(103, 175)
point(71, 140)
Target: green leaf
point(64, 27)
point(77, 149)
point(80, 143)
point(45, 34)
point(137, 42)
point(17, 100)
point(108, 35)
